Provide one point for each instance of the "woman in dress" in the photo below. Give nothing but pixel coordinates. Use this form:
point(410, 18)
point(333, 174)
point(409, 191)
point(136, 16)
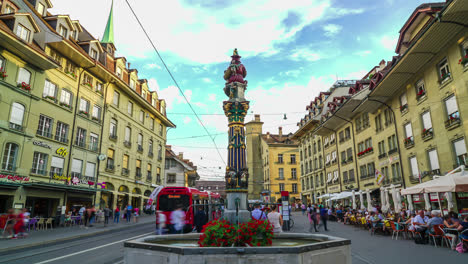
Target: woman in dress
point(276, 220)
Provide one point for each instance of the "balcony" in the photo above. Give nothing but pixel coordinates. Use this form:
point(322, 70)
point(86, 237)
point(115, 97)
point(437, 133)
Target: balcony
point(125, 171)
point(110, 167)
point(390, 152)
point(127, 144)
point(453, 121)
point(15, 126)
point(427, 134)
point(113, 137)
point(140, 148)
point(382, 155)
point(149, 178)
point(409, 142)
point(38, 171)
point(138, 175)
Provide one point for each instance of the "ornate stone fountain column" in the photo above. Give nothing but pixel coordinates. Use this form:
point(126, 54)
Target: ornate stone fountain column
point(237, 175)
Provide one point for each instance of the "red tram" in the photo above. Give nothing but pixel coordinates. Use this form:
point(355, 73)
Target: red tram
point(189, 198)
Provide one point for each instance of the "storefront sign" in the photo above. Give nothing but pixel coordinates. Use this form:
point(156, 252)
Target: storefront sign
point(462, 195)
point(62, 151)
point(41, 144)
point(333, 189)
point(14, 178)
point(416, 198)
point(434, 198)
point(61, 178)
point(390, 160)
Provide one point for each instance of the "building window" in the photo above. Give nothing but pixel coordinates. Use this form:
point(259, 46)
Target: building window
point(9, 9)
point(392, 144)
point(433, 159)
point(403, 102)
point(56, 166)
point(90, 170)
point(158, 175)
point(351, 175)
point(23, 32)
point(160, 153)
point(77, 168)
point(96, 113)
point(396, 171)
point(70, 69)
point(149, 170)
point(333, 156)
point(444, 71)
point(280, 158)
point(116, 98)
point(293, 173)
point(50, 90)
point(370, 169)
point(63, 31)
point(99, 87)
point(66, 98)
point(150, 148)
point(128, 135)
point(427, 124)
point(452, 109)
point(138, 169)
point(382, 152)
point(94, 54)
point(16, 116)
point(420, 89)
point(61, 132)
point(378, 123)
point(39, 164)
point(414, 167)
point(40, 9)
point(460, 151)
point(113, 128)
point(88, 80)
point(171, 178)
point(130, 108)
point(388, 117)
point(293, 158)
point(125, 163)
point(132, 84)
point(409, 139)
point(9, 157)
point(140, 142)
point(84, 106)
point(93, 141)
point(294, 188)
point(143, 94)
point(152, 124)
point(45, 126)
point(142, 116)
point(110, 159)
point(24, 76)
point(161, 129)
point(281, 187)
point(80, 139)
point(119, 72)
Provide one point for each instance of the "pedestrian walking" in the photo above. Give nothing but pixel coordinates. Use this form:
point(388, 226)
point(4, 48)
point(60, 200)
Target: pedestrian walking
point(257, 213)
point(92, 215)
point(116, 215)
point(200, 219)
point(312, 215)
point(160, 222)
point(178, 220)
point(129, 212)
point(323, 217)
point(303, 207)
point(107, 213)
point(275, 219)
point(136, 214)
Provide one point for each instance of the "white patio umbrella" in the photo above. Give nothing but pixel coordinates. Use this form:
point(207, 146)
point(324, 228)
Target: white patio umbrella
point(387, 199)
point(410, 202)
point(448, 195)
point(427, 202)
point(369, 205)
point(383, 203)
point(394, 198)
point(361, 199)
point(354, 199)
point(398, 197)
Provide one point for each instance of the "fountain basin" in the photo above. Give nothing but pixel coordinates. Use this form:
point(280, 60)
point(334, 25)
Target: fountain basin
point(290, 248)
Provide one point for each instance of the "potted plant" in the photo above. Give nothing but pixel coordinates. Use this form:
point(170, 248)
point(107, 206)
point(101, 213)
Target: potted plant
point(50, 97)
point(24, 86)
point(65, 104)
point(90, 85)
point(464, 60)
point(3, 74)
point(71, 73)
point(84, 113)
point(444, 76)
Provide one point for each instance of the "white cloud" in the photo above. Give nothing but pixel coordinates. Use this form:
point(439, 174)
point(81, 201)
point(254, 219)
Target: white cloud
point(187, 120)
point(153, 84)
point(207, 80)
point(200, 105)
point(389, 42)
point(173, 97)
point(212, 97)
point(331, 29)
point(202, 35)
point(302, 54)
point(356, 75)
point(153, 66)
point(363, 53)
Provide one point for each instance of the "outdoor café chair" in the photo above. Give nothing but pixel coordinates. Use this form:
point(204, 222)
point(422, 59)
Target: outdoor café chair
point(33, 223)
point(41, 223)
point(49, 222)
point(439, 233)
point(396, 230)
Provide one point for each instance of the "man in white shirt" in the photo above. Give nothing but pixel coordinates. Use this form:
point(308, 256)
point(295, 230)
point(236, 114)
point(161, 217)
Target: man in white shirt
point(178, 220)
point(420, 221)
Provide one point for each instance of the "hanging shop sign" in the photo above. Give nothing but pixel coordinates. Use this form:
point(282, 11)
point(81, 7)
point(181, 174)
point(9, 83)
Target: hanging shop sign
point(14, 178)
point(417, 198)
point(333, 189)
point(61, 178)
point(41, 144)
point(62, 152)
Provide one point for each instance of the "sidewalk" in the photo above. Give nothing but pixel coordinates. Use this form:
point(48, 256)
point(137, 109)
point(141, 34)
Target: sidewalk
point(42, 237)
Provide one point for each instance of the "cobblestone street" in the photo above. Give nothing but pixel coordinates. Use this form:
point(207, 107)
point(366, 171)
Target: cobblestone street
point(381, 249)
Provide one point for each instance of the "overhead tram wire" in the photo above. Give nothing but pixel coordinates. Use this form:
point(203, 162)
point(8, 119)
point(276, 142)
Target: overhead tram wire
point(175, 82)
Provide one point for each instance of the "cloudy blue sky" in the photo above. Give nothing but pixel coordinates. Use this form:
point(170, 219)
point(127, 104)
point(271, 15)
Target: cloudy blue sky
point(292, 50)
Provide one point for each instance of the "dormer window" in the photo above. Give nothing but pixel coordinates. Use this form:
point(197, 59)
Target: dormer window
point(23, 32)
point(40, 9)
point(94, 54)
point(63, 31)
point(76, 35)
point(143, 94)
point(9, 9)
point(132, 84)
point(119, 72)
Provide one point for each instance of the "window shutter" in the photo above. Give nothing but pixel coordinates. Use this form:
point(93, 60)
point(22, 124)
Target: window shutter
point(434, 159)
point(460, 147)
point(77, 165)
point(408, 130)
point(90, 169)
point(110, 153)
point(403, 99)
point(414, 166)
point(427, 120)
point(57, 162)
point(17, 114)
point(451, 105)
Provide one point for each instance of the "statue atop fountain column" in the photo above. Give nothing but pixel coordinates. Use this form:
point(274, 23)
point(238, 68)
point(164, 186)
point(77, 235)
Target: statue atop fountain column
point(235, 109)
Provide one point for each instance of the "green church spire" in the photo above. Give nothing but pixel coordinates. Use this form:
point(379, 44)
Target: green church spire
point(108, 36)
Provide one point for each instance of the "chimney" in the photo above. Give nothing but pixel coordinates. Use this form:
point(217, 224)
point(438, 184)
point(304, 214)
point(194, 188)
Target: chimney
point(128, 63)
point(168, 147)
point(181, 155)
point(280, 132)
point(268, 135)
point(257, 118)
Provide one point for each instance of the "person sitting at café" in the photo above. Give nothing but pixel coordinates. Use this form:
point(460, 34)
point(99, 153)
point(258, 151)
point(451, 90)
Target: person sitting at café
point(434, 220)
point(410, 221)
point(454, 217)
point(462, 227)
point(448, 223)
point(420, 222)
point(258, 214)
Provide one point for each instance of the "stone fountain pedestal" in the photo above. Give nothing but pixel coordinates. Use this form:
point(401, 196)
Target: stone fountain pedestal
point(239, 215)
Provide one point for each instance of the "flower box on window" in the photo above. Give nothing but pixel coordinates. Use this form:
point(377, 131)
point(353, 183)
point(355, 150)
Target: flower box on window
point(95, 119)
point(99, 92)
point(409, 141)
point(420, 94)
point(403, 107)
point(366, 151)
point(24, 86)
point(463, 61)
point(453, 120)
point(3, 74)
point(90, 85)
point(72, 74)
point(52, 98)
point(65, 105)
point(444, 77)
point(84, 113)
point(427, 133)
